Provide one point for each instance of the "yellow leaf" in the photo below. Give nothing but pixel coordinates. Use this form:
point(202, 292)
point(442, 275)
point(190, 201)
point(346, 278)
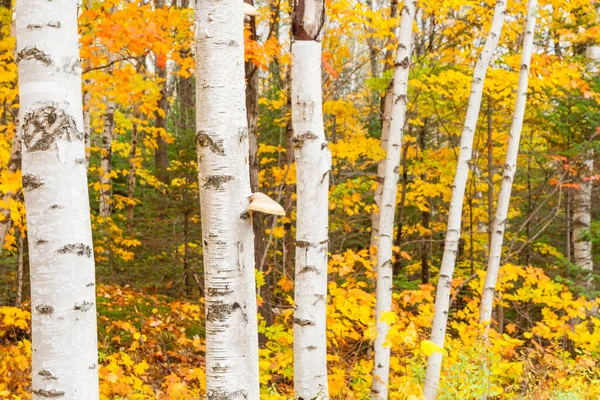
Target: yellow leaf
point(428, 347)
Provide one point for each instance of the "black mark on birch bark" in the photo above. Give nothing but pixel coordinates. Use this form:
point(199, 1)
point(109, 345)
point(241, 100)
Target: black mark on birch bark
point(48, 393)
point(83, 306)
point(40, 242)
point(309, 268)
point(44, 125)
point(219, 291)
point(303, 322)
point(204, 140)
point(302, 244)
point(79, 249)
point(31, 182)
point(45, 309)
point(215, 181)
point(46, 375)
point(33, 53)
point(220, 395)
point(218, 311)
point(300, 139)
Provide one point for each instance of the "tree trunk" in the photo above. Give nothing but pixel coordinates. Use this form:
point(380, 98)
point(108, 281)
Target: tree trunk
point(258, 220)
point(582, 199)
point(161, 157)
point(313, 165)
point(442, 300)
point(385, 131)
point(132, 171)
point(582, 219)
point(401, 206)
point(222, 147)
point(185, 90)
point(106, 160)
point(64, 341)
point(14, 164)
point(381, 366)
point(20, 248)
point(385, 109)
point(510, 168)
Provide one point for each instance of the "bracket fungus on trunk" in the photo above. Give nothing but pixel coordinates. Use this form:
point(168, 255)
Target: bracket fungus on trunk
point(262, 203)
point(249, 10)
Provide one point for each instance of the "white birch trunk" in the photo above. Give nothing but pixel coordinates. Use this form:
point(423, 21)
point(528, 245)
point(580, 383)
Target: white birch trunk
point(582, 220)
point(389, 186)
point(582, 198)
point(63, 306)
point(222, 147)
point(385, 130)
point(313, 163)
point(510, 168)
point(442, 300)
point(106, 158)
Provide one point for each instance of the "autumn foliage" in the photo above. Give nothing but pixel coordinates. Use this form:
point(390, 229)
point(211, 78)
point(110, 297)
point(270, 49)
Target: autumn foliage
point(545, 337)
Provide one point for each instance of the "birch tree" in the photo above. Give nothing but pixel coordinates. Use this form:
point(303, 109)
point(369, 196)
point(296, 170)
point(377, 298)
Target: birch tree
point(313, 163)
point(64, 343)
point(222, 147)
point(510, 168)
point(442, 300)
point(397, 120)
point(106, 155)
point(582, 197)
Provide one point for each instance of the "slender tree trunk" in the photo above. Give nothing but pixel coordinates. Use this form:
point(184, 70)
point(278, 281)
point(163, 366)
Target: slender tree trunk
point(106, 160)
point(258, 220)
point(64, 341)
point(20, 248)
point(161, 157)
point(582, 219)
point(132, 171)
point(385, 131)
point(381, 366)
point(442, 300)
point(185, 90)
point(187, 271)
point(372, 42)
point(87, 126)
point(582, 199)
point(222, 146)
point(490, 167)
point(385, 109)
point(14, 164)
point(313, 164)
point(510, 167)
point(401, 206)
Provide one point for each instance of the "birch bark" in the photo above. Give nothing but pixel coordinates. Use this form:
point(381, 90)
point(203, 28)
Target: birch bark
point(442, 300)
point(222, 147)
point(106, 160)
point(64, 342)
point(389, 186)
point(510, 168)
point(582, 198)
point(313, 163)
